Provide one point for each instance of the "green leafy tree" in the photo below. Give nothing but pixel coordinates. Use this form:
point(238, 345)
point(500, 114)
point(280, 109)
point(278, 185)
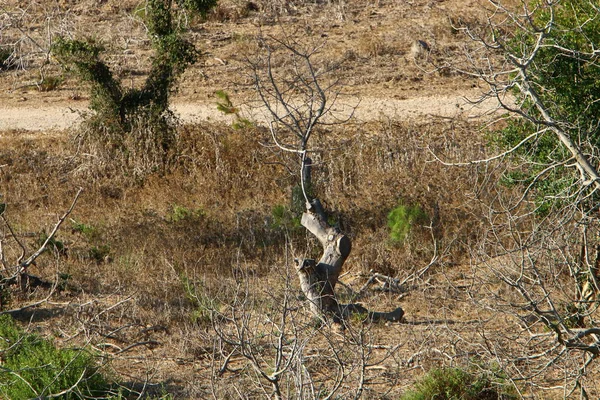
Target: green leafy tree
point(540, 60)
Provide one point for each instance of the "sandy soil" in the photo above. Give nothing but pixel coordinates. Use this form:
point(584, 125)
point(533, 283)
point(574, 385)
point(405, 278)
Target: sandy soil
point(375, 37)
point(44, 117)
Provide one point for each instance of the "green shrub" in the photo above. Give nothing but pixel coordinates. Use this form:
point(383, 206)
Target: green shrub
point(55, 245)
point(90, 232)
point(457, 384)
point(283, 218)
point(32, 367)
point(566, 75)
point(134, 128)
point(402, 219)
point(180, 213)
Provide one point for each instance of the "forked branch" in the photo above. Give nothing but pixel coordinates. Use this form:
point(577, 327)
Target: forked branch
point(19, 267)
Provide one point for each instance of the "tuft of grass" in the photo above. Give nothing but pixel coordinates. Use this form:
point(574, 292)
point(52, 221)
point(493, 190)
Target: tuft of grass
point(226, 106)
point(32, 367)
point(402, 219)
point(180, 213)
point(458, 384)
point(50, 83)
point(90, 232)
point(99, 253)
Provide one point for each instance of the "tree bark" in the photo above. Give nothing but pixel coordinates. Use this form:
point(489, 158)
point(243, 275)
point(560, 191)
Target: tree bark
point(318, 280)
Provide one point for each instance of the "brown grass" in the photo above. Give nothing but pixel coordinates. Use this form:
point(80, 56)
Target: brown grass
point(209, 220)
point(131, 245)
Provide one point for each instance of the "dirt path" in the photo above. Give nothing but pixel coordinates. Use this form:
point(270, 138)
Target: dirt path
point(63, 116)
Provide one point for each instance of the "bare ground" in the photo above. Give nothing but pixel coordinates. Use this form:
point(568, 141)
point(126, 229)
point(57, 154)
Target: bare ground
point(44, 117)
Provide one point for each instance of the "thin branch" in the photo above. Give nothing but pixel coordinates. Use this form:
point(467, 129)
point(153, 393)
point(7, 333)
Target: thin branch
point(23, 265)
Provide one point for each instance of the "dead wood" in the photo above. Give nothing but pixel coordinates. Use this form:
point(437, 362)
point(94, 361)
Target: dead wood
point(318, 280)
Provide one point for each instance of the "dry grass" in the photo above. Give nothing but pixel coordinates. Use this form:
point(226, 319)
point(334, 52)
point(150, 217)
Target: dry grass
point(131, 248)
point(207, 222)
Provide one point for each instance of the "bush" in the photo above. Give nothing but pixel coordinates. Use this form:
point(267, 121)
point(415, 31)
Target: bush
point(32, 367)
point(402, 219)
point(134, 128)
point(457, 384)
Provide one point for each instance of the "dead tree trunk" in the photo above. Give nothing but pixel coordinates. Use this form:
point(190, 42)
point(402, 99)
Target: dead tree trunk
point(318, 280)
point(297, 100)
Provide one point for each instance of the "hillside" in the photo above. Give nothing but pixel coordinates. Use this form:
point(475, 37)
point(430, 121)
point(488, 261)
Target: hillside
point(182, 280)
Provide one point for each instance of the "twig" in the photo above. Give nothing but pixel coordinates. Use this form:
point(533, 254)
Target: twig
point(23, 266)
point(14, 235)
point(35, 304)
point(145, 343)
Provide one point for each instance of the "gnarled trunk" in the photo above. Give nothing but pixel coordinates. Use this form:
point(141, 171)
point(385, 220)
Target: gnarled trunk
point(318, 280)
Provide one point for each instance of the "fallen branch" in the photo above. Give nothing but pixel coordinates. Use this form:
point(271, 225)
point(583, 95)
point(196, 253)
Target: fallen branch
point(388, 283)
point(23, 266)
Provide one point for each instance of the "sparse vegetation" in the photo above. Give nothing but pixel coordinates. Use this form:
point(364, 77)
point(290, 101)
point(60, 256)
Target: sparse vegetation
point(226, 106)
point(180, 213)
point(283, 218)
point(184, 284)
point(50, 83)
point(90, 232)
point(204, 306)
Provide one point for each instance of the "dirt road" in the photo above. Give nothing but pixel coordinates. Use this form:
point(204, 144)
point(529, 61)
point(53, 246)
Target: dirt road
point(60, 116)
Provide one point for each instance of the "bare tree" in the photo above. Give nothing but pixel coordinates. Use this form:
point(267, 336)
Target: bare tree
point(539, 61)
point(279, 353)
point(300, 98)
point(22, 48)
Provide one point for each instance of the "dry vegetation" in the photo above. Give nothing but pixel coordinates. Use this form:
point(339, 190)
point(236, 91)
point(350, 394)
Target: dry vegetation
point(184, 281)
